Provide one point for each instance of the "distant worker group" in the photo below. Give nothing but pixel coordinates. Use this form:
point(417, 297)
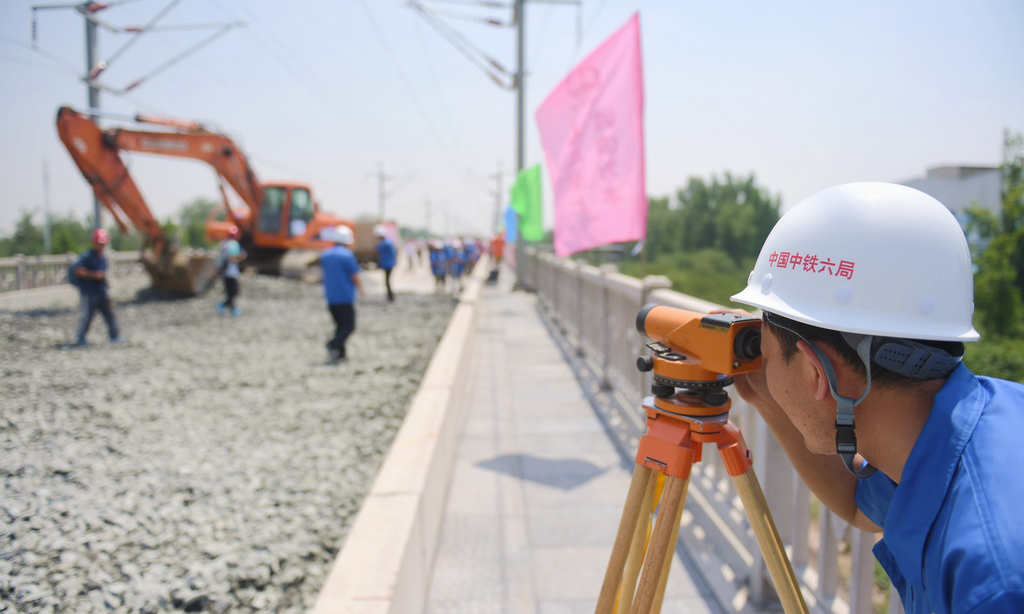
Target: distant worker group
point(449, 260)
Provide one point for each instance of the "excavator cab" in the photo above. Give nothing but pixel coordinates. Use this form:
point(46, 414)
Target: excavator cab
point(285, 210)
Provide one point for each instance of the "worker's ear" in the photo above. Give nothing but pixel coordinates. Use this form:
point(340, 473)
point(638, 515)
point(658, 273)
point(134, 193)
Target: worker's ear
point(814, 372)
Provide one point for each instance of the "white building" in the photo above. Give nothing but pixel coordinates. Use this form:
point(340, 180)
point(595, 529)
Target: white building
point(958, 187)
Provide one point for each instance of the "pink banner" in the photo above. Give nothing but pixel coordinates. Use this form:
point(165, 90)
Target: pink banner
point(591, 127)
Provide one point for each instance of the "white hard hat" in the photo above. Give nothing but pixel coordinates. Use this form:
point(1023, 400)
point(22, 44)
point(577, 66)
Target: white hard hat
point(340, 234)
point(379, 230)
point(870, 258)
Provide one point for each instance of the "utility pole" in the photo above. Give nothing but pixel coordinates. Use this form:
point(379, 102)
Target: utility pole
point(94, 66)
point(86, 9)
point(427, 226)
point(496, 225)
point(491, 67)
point(381, 193)
point(520, 85)
point(91, 47)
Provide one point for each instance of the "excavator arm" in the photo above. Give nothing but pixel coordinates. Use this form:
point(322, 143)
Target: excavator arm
point(109, 177)
point(96, 153)
point(280, 223)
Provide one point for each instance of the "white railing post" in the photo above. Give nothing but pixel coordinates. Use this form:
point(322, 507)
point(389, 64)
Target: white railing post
point(605, 320)
point(650, 284)
point(774, 472)
point(20, 274)
point(862, 574)
point(828, 562)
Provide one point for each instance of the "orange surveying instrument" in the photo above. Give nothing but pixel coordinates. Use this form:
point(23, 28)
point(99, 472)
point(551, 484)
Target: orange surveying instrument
point(694, 358)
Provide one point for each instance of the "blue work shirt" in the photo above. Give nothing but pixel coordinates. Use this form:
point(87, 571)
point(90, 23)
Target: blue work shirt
point(339, 265)
point(954, 525)
point(437, 262)
point(386, 256)
point(92, 261)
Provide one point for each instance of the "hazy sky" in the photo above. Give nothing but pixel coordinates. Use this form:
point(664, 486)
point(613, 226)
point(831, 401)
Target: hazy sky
point(804, 94)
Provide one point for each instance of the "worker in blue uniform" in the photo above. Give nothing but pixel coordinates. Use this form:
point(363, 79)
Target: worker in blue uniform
point(866, 291)
point(342, 287)
point(90, 273)
point(387, 257)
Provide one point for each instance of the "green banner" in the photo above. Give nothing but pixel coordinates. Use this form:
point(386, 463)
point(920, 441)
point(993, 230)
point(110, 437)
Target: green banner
point(526, 200)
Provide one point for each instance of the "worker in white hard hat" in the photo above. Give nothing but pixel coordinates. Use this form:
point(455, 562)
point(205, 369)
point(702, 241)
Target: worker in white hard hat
point(866, 291)
point(341, 286)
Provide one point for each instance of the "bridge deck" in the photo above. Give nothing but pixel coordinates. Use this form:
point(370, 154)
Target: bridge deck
point(538, 485)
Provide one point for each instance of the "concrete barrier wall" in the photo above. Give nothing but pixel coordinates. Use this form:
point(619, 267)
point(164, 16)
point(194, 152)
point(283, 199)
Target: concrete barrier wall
point(386, 563)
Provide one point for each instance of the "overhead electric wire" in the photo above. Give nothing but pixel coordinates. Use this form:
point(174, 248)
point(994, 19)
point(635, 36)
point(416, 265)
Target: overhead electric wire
point(484, 63)
point(593, 16)
point(405, 81)
point(299, 70)
point(476, 18)
point(141, 31)
point(540, 39)
point(74, 69)
point(24, 62)
point(174, 61)
point(437, 84)
point(493, 5)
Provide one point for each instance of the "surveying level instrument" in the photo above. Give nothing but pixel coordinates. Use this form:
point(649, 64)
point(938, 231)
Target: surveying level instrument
point(694, 357)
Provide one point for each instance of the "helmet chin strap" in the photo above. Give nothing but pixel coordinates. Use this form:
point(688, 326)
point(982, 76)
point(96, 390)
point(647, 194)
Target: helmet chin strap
point(846, 438)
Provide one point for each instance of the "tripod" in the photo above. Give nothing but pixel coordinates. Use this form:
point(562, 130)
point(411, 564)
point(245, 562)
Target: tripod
point(678, 424)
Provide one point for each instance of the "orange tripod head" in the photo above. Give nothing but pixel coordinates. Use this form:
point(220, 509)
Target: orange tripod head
point(698, 352)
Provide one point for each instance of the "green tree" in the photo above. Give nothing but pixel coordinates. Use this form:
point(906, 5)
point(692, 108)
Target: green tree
point(999, 281)
point(193, 222)
point(706, 242)
point(67, 234)
point(27, 238)
point(124, 241)
point(733, 215)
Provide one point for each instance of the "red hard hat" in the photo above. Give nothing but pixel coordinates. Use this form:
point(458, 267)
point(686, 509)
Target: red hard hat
point(100, 236)
point(234, 232)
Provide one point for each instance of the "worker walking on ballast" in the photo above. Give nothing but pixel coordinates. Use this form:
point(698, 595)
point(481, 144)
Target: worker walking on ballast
point(341, 285)
point(90, 275)
point(231, 254)
point(386, 256)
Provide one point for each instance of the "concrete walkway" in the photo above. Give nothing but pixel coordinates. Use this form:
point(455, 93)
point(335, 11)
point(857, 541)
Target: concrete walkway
point(538, 486)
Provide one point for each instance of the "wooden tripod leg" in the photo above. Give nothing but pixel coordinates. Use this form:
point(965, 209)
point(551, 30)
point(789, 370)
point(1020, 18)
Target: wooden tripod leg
point(661, 542)
point(659, 598)
point(635, 560)
point(774, 552)
point(627, 526)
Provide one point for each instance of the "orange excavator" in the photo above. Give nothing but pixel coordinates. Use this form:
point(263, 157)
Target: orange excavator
point(280, 222)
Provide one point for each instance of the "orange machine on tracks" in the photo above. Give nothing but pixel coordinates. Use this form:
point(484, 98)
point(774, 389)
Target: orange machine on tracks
point(280, 222)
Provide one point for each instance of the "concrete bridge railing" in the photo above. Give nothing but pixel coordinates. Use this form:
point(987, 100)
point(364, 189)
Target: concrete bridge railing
point(33, 272)
point(595, 310)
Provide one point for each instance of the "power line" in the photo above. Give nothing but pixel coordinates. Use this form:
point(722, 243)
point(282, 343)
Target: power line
point(477, 57)
point(437, 85)
point(67, 65)
point(406, 83)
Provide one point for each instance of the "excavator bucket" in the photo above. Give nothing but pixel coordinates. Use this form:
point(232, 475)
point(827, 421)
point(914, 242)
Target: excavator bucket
point(180, 273)
point(301, 264)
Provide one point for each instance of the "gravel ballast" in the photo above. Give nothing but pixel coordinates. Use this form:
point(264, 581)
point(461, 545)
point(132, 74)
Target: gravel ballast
point(208, 464)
